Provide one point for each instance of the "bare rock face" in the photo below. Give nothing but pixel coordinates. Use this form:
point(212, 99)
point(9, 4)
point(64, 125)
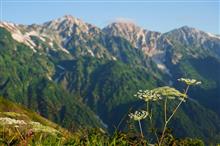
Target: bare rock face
point(137, 36)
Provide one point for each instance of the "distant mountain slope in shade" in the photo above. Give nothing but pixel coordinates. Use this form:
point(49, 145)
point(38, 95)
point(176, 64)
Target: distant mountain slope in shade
point(77, 74)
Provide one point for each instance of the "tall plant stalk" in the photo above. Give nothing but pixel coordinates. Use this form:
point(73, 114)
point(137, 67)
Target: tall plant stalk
point(157, 94)
point(151, 120)
point(154, 131)
point(139, 122)
point(166, 121)
point(138, 116)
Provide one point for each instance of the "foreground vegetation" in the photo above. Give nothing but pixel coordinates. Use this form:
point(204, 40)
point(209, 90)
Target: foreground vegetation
point(18, 126)
point(95, 137)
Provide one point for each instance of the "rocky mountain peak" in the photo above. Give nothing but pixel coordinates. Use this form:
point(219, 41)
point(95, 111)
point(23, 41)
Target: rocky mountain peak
point(189, 34)
point(124, 27)
point(137, 36)
point(66, 22)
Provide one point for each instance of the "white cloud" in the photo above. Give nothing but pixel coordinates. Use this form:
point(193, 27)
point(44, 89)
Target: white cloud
point(124, 20)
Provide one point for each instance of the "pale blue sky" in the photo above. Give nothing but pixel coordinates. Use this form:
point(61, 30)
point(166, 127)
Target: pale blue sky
point(160, 16)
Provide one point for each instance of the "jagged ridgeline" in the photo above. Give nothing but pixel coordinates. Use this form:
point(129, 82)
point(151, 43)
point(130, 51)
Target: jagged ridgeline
point(79, 75)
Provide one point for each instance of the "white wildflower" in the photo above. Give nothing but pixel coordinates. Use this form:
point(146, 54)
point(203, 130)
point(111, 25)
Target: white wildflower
point(190, 81)
point(148, 95)
point(157, 94)
point(138, 115)
point(10, 121)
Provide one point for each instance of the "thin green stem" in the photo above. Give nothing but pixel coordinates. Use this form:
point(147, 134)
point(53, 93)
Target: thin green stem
point(19, 133)
point(139, 122)
point(151, 119)
point(173, 113)
point(9, 142)
point(187, 88)
point(122, 119)
point(165, 121)
point(155, 133)
point(165, 110)
point(163, 133)
point(148, 106)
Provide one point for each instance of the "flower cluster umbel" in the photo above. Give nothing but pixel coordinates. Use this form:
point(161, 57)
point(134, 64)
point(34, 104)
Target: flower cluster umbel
point(190, 81)
point(138, 115)
point(160, 92)
point(164, 95)
point(148, 95)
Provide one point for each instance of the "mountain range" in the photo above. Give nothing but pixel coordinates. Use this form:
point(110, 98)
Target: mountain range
point(79, 75)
